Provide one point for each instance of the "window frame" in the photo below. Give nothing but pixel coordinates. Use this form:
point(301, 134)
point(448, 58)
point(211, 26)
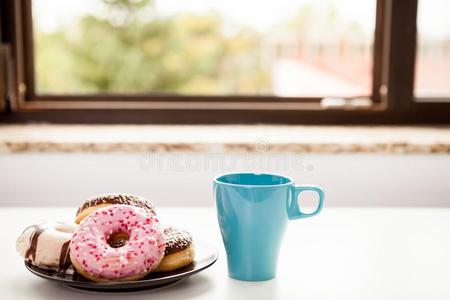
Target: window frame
point(392, 100)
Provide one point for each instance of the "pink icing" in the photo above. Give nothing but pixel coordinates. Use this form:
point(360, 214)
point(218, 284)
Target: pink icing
point(143, 251)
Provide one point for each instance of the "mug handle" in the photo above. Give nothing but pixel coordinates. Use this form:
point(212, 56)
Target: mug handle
point(294, 211)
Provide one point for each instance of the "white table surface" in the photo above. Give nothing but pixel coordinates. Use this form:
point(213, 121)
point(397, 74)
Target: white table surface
point(344, 253)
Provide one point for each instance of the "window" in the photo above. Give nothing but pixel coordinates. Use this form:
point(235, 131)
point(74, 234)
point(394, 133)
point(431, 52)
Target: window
point(211, 61)
point(433, 57)
point(290, 48)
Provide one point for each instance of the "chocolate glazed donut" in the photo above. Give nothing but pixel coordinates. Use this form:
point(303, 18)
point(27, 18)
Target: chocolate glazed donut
point(92, 204)
point(179, 251)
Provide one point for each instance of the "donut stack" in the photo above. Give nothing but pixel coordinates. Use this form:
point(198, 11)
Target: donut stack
point(113, 238)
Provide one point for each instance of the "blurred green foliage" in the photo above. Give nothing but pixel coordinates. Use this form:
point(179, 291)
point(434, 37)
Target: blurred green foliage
point(130, 49)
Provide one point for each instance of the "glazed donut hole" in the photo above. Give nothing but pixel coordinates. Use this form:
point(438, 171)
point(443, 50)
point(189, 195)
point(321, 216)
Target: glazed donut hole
point(118, 239)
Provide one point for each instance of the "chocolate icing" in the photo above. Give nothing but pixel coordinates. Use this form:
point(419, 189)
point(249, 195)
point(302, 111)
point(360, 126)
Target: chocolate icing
point(64, 257)
point(118, 199)
point(118, 243)
point(37, 231)
point(176, 240)
point(118, 239)
point(30, 254)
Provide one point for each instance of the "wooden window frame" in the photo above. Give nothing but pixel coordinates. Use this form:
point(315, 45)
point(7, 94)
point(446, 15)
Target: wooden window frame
point(392, 100)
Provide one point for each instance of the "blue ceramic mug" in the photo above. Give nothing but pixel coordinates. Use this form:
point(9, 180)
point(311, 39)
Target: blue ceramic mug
point(253, 210)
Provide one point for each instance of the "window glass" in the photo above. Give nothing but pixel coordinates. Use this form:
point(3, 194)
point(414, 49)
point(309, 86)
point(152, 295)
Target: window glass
point(432, 76)
point(293, 48)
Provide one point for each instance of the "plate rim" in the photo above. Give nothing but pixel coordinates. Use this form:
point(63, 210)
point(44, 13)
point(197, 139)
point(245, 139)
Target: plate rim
point(94, 284)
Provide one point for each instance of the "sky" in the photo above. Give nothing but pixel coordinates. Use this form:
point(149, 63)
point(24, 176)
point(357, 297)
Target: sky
point(258, 14)
point(434, 18)
point(433, 21)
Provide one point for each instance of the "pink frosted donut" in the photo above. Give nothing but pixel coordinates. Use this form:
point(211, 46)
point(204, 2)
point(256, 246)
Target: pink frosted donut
point(96, 257)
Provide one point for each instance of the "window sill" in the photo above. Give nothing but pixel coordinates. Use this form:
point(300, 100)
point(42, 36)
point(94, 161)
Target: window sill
point(224, 139)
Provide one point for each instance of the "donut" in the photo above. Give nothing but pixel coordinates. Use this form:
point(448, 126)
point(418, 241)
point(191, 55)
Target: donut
point(46, 245)
point(95, 258)
point(94, 203)
point(179, 250)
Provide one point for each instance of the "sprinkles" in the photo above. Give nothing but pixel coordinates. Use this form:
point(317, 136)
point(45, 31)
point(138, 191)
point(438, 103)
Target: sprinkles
point(117, 199)
point(134, 257)
point(176, 240)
